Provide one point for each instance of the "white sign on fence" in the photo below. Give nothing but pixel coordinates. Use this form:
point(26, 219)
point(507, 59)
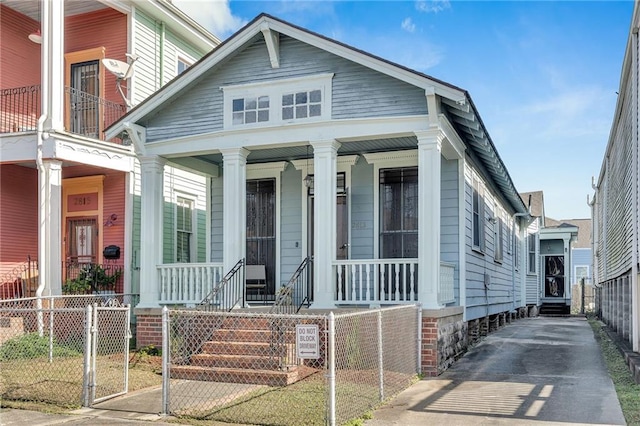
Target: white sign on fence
point(307, 341)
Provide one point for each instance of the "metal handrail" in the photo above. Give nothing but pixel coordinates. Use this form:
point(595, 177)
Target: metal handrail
point(228, 293)
point(292, 296)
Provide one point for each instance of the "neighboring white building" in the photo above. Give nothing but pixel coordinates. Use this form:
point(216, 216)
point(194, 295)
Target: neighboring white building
point(615, 207)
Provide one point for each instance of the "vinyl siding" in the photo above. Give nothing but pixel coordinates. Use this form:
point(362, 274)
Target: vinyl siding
point(19, 54)
point(499, 294)
point(217, 246)
point(616, 213)
point(290, 223)
point(356, 91)
point(449, 218)
point(155, 68)
point(362, 203)
point(532, 280)
point(104, 28)
point(19, 213)
point(180, 183)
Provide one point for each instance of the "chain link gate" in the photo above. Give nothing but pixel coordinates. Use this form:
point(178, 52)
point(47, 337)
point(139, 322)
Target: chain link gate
point(106, 356)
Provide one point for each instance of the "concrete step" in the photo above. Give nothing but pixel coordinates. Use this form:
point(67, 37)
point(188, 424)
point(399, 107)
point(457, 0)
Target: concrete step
point(236, 361)
point(250, 335)
point(234, 375)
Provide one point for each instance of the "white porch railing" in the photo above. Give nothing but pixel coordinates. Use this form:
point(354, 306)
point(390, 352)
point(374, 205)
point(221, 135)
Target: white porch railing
point(367, 281)
point(386, 281)
point(187, 283)
point(445, 288)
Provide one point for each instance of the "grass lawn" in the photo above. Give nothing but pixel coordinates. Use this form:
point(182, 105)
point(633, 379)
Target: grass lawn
point(628, 391)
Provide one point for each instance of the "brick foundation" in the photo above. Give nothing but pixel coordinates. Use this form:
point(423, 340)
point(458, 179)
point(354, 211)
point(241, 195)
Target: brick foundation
point(148, 327)
point(444, 339)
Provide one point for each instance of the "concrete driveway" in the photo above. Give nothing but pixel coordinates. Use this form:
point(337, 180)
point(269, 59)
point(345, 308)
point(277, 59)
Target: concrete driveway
point(543, 370)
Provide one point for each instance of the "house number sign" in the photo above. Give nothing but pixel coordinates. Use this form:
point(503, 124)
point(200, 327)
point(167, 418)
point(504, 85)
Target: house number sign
point(82, 202)
point(307, 341)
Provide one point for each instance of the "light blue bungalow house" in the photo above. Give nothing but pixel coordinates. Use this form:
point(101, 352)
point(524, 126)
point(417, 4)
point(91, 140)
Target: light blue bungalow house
point(385, 177)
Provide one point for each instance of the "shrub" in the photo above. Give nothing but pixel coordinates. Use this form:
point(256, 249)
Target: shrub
point(32, 345)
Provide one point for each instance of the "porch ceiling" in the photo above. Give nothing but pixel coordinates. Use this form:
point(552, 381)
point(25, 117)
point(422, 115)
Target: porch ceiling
point(290, 153)
point(31, 8)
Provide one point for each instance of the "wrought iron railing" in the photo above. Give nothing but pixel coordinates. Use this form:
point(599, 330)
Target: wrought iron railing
point(21, 281)
point(228, 293)
point(92, 278)
point(85, 114)
point(297, 292)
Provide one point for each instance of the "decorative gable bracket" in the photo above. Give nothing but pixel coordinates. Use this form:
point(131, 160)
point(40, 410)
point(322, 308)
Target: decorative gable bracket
point(272, 39)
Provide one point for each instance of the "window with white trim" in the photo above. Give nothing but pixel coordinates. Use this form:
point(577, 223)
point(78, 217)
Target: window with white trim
point(531, 258)
point(184, 229)
point(278, 101)
point(499, 240)
point(580, 272)
point(250, 110)
point(183, 64)
point(301, 105)
point(516, 250)
point(477, 224)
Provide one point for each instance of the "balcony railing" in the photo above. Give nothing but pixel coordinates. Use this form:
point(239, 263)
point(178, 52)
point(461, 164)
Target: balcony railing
point(85, 114)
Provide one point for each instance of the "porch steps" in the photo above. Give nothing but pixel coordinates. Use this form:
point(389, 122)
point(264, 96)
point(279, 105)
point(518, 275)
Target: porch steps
point(244, 351)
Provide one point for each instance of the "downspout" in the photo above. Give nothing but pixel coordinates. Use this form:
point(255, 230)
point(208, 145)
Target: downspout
point(161, 53)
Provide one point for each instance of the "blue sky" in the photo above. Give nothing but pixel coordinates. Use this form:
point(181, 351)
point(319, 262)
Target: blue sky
point(543, 74)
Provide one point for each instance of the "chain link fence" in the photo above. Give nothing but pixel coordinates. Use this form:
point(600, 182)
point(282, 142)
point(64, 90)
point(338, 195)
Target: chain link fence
point(50, 353)
point(286, 369)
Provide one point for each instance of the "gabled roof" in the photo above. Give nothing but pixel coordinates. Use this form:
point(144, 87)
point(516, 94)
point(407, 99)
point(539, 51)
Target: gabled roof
point(456, 102)
point(535, 201)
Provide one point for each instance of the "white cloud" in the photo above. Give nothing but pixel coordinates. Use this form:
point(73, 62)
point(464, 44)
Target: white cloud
point(432, 6)
point(214, 15)
point(408, 25)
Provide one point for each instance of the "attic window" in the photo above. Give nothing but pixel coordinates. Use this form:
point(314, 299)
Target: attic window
point(277, 102)
point(250, 110)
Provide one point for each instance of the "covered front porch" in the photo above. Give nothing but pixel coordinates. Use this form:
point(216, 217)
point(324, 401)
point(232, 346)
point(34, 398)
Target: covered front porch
point(358, 222)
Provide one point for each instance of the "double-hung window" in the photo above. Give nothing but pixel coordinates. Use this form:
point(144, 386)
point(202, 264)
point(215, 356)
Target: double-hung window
point(531, 258)
point(499, 240)
point(477, 201)
point(184, 229)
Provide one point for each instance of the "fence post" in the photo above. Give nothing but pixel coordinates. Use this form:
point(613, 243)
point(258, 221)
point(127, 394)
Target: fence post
point(380, 357)
point(165, 361)
point(419, 338)
point(51, 302)
point(582, 295)
point(86, 379)
point(332, 369)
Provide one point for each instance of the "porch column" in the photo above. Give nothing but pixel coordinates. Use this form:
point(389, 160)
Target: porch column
point(324, 230)
point(151, 241)
point(234, 209)
point(429, 158)
point(52, 56)
point(49, 232)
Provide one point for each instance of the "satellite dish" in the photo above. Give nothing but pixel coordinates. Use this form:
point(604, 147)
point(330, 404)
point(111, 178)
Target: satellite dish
point(122, 71)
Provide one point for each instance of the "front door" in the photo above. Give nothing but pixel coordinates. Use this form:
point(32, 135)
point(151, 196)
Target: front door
point(85, 111)
point(261, 229)
point(554, 276)
point(82, 240)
